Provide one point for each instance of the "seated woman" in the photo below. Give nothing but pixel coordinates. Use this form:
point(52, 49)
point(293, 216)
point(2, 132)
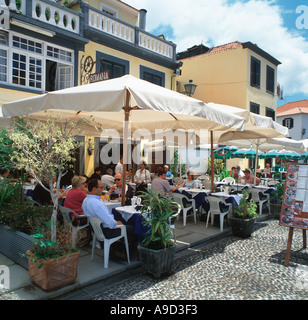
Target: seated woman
point(190, 181)
point(75, 197)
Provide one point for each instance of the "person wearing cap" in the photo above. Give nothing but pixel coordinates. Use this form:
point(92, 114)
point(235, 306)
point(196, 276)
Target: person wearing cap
point(249, 178)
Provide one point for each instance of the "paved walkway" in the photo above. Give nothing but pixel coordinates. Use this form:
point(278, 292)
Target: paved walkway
point(230, 268)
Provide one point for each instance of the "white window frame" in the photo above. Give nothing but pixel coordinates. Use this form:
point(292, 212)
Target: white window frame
point(10, 49)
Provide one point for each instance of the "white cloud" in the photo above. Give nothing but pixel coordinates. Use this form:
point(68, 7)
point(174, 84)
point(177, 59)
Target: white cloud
point(218, 22)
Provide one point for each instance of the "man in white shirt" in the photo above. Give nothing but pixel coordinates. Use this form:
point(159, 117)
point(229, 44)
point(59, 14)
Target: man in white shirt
point(107, 179)
point(93, 207)
point(142, 178)
point(239, 172)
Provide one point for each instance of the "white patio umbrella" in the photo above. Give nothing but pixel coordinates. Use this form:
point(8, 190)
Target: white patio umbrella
point(265, 131)
point(128, 99)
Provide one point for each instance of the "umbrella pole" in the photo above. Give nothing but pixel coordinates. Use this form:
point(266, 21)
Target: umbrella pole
point(126, 120)
point(212, 161)
point(256, 163)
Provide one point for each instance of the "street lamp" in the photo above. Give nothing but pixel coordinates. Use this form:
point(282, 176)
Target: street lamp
point(190, 88)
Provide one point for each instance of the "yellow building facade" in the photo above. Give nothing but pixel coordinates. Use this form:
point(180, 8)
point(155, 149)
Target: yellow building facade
point(237, 74)
point(223, 75)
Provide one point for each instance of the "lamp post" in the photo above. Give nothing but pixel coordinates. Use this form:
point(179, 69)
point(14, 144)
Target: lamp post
point(190, 88)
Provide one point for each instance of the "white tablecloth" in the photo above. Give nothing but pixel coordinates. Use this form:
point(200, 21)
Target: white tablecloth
point(225, 196)
point(112, 205)
point(127, 212)
point(194, 192)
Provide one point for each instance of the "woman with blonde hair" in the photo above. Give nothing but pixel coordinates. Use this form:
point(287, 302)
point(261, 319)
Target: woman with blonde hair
point(75, 197)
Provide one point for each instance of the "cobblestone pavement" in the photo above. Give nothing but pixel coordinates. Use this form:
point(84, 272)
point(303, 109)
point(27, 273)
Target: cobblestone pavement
point(229, 269)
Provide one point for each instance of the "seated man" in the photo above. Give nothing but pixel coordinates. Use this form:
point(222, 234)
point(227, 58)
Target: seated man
point(116, 190)
point(160, 184)
point(93, 207)
point(267, 171)
point(249, 178)
point(107, 179)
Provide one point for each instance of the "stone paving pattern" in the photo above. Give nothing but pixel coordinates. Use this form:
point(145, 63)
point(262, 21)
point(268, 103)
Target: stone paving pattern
point(229, 269)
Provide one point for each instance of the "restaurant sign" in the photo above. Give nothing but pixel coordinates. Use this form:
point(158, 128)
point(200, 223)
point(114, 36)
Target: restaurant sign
point(99, 76)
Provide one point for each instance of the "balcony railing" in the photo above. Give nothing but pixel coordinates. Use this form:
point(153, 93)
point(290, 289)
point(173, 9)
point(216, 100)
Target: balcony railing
point(52, 14)
point(61, 18)
point(111, 26)
point(127, 32)
point(18, 6)
point(66, 19)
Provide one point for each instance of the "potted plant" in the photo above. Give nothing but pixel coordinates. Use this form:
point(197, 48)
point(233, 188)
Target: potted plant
point(276, 199)
point(156, 251)
point(243, 217)
point(52, 264)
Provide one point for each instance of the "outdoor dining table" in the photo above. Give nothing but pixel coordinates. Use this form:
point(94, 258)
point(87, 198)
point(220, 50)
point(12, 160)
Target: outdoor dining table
point(194, 193)
point(128, 215)
point(112, 204)
point(229, 198)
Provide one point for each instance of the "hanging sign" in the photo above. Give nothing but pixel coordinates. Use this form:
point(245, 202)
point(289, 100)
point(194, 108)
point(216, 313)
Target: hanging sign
point(4, 17)
point(99, 76)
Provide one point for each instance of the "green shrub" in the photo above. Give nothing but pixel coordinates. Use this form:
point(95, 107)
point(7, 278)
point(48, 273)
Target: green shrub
point(24, 217)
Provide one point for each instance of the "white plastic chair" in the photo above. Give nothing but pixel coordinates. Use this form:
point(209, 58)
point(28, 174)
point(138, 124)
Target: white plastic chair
point(215, 209)
point(99, 235)
point(186, 205)
point(255, 196)
point(172, 219)
point(230, 181)
point(67, 219)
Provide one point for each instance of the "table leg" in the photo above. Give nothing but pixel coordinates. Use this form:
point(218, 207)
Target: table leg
point(304, 239)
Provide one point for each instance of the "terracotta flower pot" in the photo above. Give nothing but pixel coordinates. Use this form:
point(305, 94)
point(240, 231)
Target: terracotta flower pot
point(55, 273)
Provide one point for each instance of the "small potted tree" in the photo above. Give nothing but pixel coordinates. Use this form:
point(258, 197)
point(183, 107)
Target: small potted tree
point(243, 217)
point(45, 149)
point(156, 251)
point(52, 264)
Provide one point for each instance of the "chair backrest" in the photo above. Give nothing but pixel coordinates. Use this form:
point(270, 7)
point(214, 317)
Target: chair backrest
point(229, 180)
point(175, 214)
point(204, 177)
point(66, 214)
point(181, 199)
point(255, 194)
point(214, 203)
point(96, 225)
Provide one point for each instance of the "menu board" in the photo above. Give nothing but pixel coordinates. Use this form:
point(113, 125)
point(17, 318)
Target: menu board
point(294, 211)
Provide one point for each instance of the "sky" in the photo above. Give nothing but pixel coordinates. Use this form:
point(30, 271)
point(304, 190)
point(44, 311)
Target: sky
point(279, 27)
